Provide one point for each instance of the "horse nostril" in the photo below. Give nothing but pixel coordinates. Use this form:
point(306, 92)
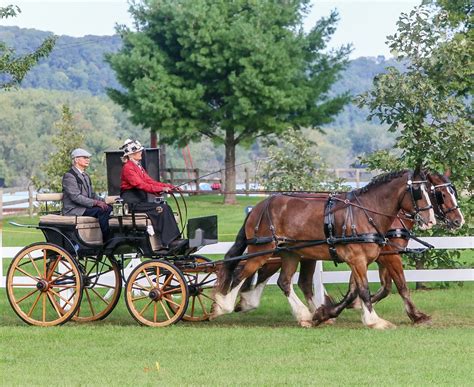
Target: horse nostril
point(457, 222)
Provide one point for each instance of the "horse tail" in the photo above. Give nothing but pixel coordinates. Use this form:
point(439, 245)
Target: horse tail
point(239, 245)
point(228, 266)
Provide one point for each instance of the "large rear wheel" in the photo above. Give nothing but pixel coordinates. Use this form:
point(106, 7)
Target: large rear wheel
point(102, 287)
point(151, 288)
point(44, 285)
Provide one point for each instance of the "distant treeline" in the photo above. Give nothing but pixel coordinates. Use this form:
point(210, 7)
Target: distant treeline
point(77, 74)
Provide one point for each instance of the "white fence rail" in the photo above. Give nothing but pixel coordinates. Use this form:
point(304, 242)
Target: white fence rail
point(321, 277)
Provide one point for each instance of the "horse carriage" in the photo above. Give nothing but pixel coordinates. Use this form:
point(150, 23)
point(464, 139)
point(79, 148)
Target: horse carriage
point(75, 276)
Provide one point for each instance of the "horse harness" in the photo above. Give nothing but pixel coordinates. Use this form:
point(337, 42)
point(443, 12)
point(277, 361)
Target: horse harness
point(349, 232)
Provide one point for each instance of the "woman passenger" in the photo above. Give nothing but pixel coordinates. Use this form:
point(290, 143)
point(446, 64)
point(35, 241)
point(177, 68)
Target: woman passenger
point(134, 186)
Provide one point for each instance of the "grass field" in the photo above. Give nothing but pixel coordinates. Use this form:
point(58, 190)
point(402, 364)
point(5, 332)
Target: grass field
point(262, 348)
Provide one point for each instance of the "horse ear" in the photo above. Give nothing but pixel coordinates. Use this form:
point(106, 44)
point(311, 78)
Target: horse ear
point(447, 172)
point(417, 170)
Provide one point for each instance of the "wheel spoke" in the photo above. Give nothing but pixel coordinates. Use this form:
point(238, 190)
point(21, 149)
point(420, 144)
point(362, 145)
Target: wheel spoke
point(202, 304)
point(192, 306)
point(34, 305)
point(173, 291)
point(165, 310)
point(50, 272)
point(55, 306)
point(89, 301)
point(170, 300)
point(62, 298)
point(28, 295)
point(61, 276)
point(27, 274)
point(148, 278)
point(44, 307)
point(139, 298)
point(98, 295)
point(167, 281)
point(34, 264)
point(155, 310)
point(145, 308)
point(205, 295)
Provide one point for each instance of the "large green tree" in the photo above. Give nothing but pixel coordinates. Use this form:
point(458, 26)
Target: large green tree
point(430, 103)
point(231, 71)
point(13, 68)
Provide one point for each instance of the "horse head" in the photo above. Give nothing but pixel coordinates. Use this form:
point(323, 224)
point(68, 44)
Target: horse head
point(444, 199)
point(416, 201)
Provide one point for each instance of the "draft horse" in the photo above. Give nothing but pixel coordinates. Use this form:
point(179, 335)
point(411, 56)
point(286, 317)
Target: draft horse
point(347, 227)
point(443, 195)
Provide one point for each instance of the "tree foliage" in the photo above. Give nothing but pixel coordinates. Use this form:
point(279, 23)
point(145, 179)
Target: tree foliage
point(229, 71)
point(13, 68)
point(293, 164)
point(59, 160)
point(28, 124)
point(429, 103)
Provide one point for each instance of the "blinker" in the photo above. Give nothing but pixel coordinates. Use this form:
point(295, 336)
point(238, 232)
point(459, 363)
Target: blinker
point(417, 195)
point(439, 197)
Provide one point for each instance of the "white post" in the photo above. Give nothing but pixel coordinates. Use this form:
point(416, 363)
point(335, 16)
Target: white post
point(318, 287)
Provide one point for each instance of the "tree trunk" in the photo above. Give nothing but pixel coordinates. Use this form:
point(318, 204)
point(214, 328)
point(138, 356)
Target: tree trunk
point(419, 265)
point(229, 186)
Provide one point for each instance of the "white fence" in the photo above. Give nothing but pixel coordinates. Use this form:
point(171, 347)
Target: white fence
point(321, 277)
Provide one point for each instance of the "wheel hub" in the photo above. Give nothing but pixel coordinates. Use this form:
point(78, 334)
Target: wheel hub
point(155, 294)
point(42, 285)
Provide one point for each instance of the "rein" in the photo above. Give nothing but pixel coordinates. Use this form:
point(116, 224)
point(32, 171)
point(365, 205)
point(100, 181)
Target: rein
point(331, 240)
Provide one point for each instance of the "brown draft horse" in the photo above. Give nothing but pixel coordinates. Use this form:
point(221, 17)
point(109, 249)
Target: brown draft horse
point(443, 197)
point(293, 227)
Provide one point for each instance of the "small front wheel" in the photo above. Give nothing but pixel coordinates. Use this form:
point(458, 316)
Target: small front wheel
point(151, 288)
point(44, 285)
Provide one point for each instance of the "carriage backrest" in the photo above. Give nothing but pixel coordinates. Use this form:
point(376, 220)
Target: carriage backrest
point(150, 162)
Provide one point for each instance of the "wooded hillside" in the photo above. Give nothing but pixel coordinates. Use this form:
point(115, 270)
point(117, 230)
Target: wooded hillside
point(76, 73)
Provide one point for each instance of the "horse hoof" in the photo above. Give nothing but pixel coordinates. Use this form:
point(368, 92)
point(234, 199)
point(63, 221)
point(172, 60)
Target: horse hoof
point(238, 307)
point(306, 324)
point(422, 320)
point(382, 325)
point(331, 321)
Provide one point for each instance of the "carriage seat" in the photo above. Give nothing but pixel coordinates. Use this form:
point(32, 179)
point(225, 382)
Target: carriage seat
point(87, 227)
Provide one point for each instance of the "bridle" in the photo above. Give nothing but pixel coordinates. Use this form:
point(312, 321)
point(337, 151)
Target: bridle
point(416, 194)
point(436, 190)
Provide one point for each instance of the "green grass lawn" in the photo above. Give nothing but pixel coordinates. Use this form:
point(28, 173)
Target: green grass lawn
point(264, 347)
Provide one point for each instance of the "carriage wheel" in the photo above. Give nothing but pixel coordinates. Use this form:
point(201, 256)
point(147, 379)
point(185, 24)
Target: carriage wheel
point(200, 283)
point(44, 285)
point(151, 288)
point(102, 287)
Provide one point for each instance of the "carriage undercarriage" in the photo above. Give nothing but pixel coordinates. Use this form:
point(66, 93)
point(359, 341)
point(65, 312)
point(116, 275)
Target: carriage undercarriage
point(74, 276)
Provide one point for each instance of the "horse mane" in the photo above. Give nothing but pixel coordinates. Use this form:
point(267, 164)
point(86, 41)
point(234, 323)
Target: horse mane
point(380, 179)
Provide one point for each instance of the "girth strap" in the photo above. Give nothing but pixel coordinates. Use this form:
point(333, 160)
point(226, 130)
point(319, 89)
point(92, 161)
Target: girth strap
point(329, 230)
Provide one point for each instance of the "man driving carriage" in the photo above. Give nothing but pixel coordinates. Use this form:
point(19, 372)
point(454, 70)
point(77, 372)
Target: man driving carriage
point(79, 197)
point(134, 186)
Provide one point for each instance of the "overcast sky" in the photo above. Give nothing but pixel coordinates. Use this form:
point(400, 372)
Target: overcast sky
point(365, 23)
